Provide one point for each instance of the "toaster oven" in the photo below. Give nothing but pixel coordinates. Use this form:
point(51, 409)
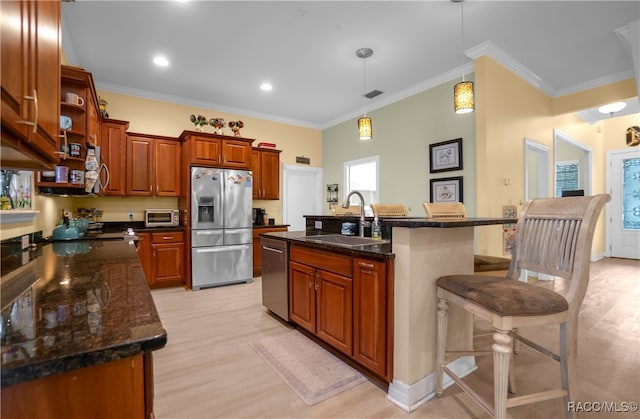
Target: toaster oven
point(161, 218)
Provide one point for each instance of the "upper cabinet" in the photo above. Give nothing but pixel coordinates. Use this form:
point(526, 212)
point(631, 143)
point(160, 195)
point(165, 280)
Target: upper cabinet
point(113, 152)
point(213, 150)
point(30, 72)
point(265, 165)
point(153, 165)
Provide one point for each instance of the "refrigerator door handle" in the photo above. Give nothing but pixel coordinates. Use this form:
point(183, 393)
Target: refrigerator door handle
point(207, 233)
point(220, 249)
point(235, 230)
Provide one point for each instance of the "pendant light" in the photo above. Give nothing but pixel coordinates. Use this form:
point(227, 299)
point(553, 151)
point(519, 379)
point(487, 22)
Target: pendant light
point(365, 128)
point(463, 91)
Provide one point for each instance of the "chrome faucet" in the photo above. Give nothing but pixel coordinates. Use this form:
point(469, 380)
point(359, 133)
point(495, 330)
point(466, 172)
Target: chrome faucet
point(345, 204)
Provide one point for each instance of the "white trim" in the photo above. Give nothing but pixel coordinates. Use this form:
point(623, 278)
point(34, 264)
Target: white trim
point(17, 216)
point(543, 167)
point(588, 181)
point(409, 397)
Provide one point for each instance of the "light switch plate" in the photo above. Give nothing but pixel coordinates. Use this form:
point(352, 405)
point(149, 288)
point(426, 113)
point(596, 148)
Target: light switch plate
point(25, 241)
point(318, 225)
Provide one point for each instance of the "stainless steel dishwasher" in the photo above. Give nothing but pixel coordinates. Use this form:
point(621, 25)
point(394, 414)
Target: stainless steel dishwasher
point(275, 276)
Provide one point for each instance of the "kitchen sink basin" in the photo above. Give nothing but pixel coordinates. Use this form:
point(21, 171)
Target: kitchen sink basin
point(347, 241)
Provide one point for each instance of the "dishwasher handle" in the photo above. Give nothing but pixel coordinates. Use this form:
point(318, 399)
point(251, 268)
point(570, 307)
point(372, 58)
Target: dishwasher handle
point(272, 249)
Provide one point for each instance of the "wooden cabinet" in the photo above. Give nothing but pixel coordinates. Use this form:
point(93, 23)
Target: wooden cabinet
point(30, 72)
point(153, 166)
point(372, 329)
point(113, 152)
point(213, 150)
point(144, 253)
point(257, 246)
point(321, 300)
point(347, 302)
point(167, 259)
point(265, 164)
point(123, 388)
point(162, 257)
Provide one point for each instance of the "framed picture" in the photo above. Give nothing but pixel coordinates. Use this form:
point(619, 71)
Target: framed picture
point(445, 156)
point(446, 189)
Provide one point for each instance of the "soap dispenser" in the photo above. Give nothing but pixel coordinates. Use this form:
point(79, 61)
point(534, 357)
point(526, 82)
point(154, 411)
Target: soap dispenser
point(376, 229)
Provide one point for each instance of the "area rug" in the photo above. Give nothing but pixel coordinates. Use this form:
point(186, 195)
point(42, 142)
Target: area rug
point(312, 372)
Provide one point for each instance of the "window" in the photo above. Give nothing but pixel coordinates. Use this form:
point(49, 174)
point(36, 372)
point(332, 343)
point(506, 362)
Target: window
point(567, 176)
point(362, 175)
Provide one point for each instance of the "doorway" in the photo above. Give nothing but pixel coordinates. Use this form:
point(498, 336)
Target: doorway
point(623, 212)
point(301, 194)
point(536, 170)
point(573, 165)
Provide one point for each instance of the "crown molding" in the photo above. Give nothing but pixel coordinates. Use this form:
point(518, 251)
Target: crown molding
point(147, 94)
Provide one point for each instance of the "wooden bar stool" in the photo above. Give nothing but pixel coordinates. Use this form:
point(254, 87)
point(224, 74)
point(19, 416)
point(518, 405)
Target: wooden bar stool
point(553, 236)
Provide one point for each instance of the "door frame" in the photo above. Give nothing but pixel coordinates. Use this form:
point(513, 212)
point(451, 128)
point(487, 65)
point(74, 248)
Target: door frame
point(588, 155)
point(609, 188)
point(543, 153)
point(287, 171)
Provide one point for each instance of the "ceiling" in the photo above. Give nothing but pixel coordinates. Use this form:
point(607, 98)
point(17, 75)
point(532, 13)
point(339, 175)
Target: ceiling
point(221, 51)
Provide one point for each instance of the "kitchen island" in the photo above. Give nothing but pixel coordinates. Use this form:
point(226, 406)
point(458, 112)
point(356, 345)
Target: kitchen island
point(423, 250)
point(78, 329)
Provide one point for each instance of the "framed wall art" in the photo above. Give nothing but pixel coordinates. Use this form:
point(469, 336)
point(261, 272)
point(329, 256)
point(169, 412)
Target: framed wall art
point(445, 156)
point(446, 189)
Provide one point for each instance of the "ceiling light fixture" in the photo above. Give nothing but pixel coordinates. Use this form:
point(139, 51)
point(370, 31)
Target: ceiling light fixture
point(161, 61)
point(365, 127)
point(612, 108)
point(463, 91)
point(267, 87)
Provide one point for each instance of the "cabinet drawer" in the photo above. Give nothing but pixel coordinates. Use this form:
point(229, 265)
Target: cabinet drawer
point(167, 237)
point(332, 262)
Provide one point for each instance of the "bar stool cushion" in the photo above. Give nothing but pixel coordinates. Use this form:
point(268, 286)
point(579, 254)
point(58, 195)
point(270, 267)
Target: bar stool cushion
point(503, 296)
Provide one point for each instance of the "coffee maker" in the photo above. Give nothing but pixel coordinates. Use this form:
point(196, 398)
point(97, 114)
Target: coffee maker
point(258, 216)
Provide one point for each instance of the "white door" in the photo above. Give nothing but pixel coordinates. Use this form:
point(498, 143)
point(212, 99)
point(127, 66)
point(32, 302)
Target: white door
point(301, 194)
point(623, 216)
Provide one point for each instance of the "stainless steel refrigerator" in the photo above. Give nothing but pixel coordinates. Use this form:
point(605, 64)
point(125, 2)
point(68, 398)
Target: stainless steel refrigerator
point(221, 227)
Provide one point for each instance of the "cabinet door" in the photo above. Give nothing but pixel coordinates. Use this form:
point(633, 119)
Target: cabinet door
point(139, 166)
point(255, 169)
point(370, 314)
point(205, 151)
point(44, 54)
point(237, 154)
point(302, 295)
point(270, 175)
point(334, 322)
point(144, 254)
point(166, 264)
point(30, 81)
point(113, 152)
point(15, 70)
point(167, 167)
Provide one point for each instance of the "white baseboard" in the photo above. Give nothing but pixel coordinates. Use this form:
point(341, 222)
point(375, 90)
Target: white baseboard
point(411, 396)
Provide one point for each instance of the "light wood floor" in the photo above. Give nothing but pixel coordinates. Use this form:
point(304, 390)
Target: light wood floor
point(208, 369)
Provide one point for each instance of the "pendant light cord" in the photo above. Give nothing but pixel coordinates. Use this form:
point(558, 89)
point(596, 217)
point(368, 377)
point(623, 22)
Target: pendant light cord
point(364, 92)
point(462, 35)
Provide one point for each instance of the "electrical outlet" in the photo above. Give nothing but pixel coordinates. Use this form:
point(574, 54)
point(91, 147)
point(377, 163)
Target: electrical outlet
point(131, 215)
point(318, 225)
point(25, 241)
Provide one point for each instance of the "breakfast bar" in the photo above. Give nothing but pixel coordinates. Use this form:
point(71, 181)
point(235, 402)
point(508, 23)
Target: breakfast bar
point(426, 249)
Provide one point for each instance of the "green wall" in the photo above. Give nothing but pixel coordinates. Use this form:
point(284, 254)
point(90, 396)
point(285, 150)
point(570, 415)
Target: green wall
point(402, 132)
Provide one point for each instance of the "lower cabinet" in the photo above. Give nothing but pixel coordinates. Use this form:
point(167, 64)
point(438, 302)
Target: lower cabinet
point(118, 389)
point(162, 258)
point(347, 302)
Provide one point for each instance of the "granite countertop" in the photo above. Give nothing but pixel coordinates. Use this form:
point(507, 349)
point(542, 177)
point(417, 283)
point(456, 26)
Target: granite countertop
point(259, 226)
point(375, 251)
point(75, 304)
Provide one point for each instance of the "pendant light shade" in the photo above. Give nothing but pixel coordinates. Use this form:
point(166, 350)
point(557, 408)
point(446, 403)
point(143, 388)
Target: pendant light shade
point(462, 92)
point(463, 97)
point(365, 129)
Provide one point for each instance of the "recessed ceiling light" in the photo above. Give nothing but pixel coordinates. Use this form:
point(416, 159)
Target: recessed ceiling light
point(267, 87)
point(161, 61)
point(612, 107)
